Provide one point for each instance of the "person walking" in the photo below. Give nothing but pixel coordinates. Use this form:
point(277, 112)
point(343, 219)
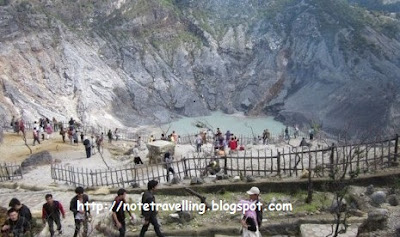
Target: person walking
point(287, 137)
point(80, 210)
point(12, 121)
point(49, 131)
point(311, 133)
point(99, 143)
point(51, 212)
point(252, 219)
point(35, 136)
point(22, 126)
point(149, 214)
point(71, 123)
point(168, 164)
point(118, 212)
point(88, 147)
point(199, 143)
point(116, 134)
point(62, 133)
point(109, 135)
point(55, 124)
point(22, 209)
point(174, 135)
point(75, 136)
point(296, 131)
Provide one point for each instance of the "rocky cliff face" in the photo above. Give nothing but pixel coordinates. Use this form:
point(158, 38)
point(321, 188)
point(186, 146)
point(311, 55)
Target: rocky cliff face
point(126, 63)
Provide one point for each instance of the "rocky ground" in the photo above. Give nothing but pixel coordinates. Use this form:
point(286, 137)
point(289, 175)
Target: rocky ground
point(14, 150)
point(129, 63)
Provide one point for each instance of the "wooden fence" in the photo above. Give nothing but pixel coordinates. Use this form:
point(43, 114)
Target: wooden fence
point(10, 172)
point(325, 162)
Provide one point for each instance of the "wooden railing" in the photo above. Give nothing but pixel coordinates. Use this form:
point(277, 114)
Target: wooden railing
point(10, 172)
point(324, 162)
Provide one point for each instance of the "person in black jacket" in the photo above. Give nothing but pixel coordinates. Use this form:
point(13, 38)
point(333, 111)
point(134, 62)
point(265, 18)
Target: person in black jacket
point(16, 225)
point(21, 209)
point(118, 210)
point(109, 135)
point(150, 215)
point(80, 210)
point(88, 147)
point(51, 213)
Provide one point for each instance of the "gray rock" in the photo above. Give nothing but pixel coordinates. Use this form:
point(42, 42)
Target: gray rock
point(377, 220)
point(301, 214)
point(180, 217)
point(41, 158)
point(236, 179)
point(393, 200)
point(173, 217)
point(358, 202)
point(175, 180)
point(378, 198)
point(370, 190)
point(250, 178)
point(356, 212)
point(378, 215)
point(335, 207)
point(185, 216)
point(196, 180)
point(391, 191)
point(246, 103)
point(200, 180)
point(135, 185)
point(157, 150)
point(193, 180)
point(221, 176)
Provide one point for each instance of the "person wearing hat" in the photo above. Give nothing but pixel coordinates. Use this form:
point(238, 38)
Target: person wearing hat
point(251, 221)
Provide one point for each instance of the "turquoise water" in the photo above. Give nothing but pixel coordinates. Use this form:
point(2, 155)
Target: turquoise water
point(236, 123)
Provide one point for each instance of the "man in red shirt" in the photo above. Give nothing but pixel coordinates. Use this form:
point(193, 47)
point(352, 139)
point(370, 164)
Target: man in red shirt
point(51, 213)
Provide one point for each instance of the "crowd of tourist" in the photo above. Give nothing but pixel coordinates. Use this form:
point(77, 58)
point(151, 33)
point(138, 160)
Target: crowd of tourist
point(43, 129)
point(20, 223)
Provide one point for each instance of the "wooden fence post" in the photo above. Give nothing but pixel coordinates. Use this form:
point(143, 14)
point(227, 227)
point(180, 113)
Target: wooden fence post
point(396, 148)
point(278, 163)
point(332, 161)
point(185, 167)
point(225, 165)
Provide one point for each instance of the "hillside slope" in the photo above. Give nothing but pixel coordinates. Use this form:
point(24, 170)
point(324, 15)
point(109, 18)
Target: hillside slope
point(127, 63)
